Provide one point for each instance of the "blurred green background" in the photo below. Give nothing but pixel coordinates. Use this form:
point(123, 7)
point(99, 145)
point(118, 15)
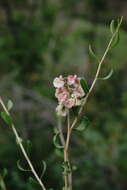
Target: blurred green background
point(39, 40)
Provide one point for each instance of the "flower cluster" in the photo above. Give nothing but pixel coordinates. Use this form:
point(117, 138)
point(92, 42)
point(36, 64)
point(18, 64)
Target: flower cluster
point(68, 92)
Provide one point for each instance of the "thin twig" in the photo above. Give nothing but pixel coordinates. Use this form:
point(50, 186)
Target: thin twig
point(61, 132)
point(19, 141)
point(2, 184)
point(97, 74)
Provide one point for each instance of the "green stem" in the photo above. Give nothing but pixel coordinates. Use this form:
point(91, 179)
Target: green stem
point(67, 175)
point(97, 74)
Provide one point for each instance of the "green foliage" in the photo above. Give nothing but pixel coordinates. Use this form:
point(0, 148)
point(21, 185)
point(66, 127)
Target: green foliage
point(56, 140)
point(107, 76)
point(9, 105)
point(21, 168)
point(7, 118)
point(84, 85)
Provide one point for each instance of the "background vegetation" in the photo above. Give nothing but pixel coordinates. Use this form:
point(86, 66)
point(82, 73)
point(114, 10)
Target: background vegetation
point(39, 40)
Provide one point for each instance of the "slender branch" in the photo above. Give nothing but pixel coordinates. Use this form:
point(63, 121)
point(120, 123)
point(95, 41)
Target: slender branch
point(70, 128)
point(2, 184)
point(97, 74)
point(19, 141)
point(61, 132)
point(68, 175)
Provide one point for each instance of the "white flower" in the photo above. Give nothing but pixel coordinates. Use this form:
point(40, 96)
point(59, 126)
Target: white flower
point(58, 82)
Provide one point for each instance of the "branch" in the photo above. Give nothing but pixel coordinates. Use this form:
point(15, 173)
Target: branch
point(19, 141)
point(97, 74)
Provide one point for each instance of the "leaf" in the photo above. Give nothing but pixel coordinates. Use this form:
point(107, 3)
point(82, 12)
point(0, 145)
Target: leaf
point(21, 168)
point(59, 153)
point(7, 118)
point(74, 167)
point(84, 85)
point(44, 168)
point(83, 124)
point(29, 146)
point(115, 41)
point(108, 76)
point(92, 54)
point(33, 181)
point(55, 141)
point(66, 165)
point(9, 105)
point(4, 173)
point(112, 26)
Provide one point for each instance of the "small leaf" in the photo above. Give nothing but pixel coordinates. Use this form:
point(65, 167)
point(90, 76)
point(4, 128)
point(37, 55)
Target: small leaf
point(66, 165)
point(7, 118)
point(29, 146)
point(32, 181)
point(43, 168)
point(115, 41)
point(9, 105)
point(74, 167)
point(59, 153)
point(83, 124)
point(92, 54)
point(4, 173)
point(21, 168)
point(84, 85)
point(108, 76)
point(112, 26)
point(55, 141)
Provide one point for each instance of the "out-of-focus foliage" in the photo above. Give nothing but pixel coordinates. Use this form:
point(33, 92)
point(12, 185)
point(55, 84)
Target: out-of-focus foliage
point(41, 39)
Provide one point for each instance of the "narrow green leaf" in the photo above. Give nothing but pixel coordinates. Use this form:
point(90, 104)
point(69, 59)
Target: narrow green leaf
point(44, 166)
point(33, 181)
point(108, 76)
point(4, 173)
point(115, 41)
point(92, 54)
point(84, 85)
point(83, 124)
point(29, 146)
point(7, 118)
point(112, 26)
point(56, 142)
point(9, 105)
point(21, 168)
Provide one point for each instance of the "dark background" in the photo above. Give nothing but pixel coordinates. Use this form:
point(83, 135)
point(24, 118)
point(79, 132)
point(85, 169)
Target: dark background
point(40, 40)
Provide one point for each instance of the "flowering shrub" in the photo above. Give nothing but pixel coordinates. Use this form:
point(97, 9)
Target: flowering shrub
point(71, 91)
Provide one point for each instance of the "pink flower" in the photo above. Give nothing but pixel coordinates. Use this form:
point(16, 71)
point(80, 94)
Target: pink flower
point(70, 103)
point(78, 92)
point(72, 79)
point(62, 97)
point(58, 82)
point(68, 92)
point(62, 94)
